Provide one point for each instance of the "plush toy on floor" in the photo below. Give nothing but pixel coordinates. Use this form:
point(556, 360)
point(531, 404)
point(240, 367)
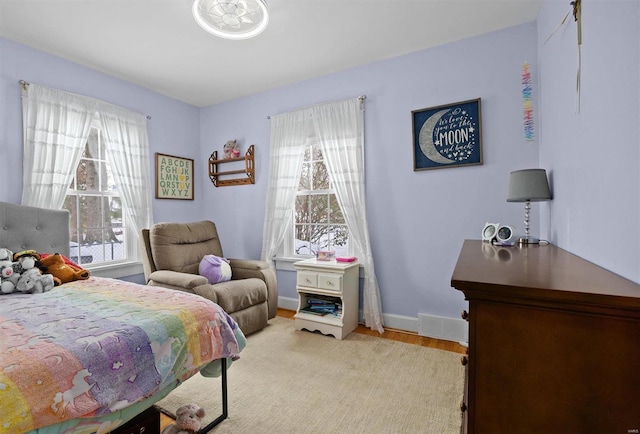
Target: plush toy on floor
point(188, 420)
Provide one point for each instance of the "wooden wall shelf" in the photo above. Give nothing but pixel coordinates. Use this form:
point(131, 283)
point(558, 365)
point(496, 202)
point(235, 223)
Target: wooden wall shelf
point(249, 169)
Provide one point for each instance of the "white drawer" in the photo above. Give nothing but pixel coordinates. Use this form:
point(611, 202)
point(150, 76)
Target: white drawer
point(332, 282)
point(306, 278)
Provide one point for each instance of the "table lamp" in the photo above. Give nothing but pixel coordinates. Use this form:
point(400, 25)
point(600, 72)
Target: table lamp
point(528, 185)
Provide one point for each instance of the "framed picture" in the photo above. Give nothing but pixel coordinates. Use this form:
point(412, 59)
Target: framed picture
point(174, 177)
point(447, 136)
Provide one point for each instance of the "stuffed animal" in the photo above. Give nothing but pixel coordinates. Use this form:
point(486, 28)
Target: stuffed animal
point(188, 420)
point(23, 275)
point(6, 261)
point(62, 271)
point(6, 254)
point(9, 276)
point(231, 150)
point(26, 260)
point(33, 282)
point(7, 284)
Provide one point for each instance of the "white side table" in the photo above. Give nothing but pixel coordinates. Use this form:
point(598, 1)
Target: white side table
point(338, 281)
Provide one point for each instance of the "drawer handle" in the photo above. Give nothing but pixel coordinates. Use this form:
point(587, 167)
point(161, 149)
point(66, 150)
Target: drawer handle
point(465, 315)
point(330, 283)
point(464, 360)
point(307, 280)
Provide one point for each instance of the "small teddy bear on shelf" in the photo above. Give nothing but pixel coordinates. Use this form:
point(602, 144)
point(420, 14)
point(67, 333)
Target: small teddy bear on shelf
point(188, 420)
point(231, 150)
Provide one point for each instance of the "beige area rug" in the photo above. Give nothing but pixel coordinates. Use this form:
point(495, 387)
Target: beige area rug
point(289, 381)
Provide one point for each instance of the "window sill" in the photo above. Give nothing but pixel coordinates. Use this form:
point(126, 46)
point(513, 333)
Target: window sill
point(116, 271)
point(286, 262)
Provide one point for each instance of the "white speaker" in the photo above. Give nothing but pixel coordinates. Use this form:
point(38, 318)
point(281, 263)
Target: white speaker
point(506, 234)
point(489, 231)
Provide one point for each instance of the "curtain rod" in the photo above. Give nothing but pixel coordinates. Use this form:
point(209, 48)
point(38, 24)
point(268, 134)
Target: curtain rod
point(25, 84)
point(361, 98)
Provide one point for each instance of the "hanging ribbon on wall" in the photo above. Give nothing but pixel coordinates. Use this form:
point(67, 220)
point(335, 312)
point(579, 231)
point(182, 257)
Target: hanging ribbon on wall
point(576, 11)
point(527, 103)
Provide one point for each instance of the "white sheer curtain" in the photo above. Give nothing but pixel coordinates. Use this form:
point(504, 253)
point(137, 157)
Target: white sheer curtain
point(339, 129)
point(289, 133)
point(55, 129)
point(127, 149)
point(56, 126)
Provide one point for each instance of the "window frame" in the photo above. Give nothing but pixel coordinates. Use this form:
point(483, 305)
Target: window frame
point(288, 249)
point(131, 261)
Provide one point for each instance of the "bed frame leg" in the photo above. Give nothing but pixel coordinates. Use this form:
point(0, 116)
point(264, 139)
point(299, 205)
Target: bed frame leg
point(225, 410)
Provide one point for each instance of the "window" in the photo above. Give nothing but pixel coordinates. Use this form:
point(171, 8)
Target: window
point(318, 223)
point(98, 231)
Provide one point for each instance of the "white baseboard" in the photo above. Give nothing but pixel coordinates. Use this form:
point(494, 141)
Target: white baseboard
point(439, 327)
point(288, 303)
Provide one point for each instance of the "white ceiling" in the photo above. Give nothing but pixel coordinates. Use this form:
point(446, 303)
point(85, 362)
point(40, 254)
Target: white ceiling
point(156, 43)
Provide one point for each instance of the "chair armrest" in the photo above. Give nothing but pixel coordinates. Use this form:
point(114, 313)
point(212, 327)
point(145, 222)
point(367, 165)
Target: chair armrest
point(248, 264)
point(247, 268)
point(176, 279)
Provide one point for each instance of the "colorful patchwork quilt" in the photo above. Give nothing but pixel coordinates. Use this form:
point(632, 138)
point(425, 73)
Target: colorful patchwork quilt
point(94, 347)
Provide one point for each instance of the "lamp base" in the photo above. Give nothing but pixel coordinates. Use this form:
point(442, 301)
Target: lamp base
point(528, 240)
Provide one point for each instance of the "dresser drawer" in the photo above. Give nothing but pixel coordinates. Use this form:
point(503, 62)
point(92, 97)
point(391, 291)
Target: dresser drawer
point(307, 278)
point(331, 282)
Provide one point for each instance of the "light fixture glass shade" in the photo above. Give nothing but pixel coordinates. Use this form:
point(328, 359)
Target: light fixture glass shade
point(231, 19)
point(528, 185)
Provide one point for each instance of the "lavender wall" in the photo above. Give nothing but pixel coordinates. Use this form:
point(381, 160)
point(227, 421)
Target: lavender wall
point(593, 155)
point(173, 129)
point(418, 220)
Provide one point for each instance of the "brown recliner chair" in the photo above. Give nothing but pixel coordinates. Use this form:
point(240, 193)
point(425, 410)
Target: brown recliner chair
point(172, 253)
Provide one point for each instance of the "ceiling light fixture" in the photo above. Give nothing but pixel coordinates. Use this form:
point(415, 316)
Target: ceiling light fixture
point(231, 19)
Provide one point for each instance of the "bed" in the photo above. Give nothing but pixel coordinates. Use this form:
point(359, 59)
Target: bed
point(92, 354)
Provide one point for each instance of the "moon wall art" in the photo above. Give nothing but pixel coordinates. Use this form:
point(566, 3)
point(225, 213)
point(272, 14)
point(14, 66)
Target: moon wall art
point(447, 135)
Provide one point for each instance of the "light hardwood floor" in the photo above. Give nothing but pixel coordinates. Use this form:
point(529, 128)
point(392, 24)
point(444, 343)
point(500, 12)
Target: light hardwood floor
point(397, 335)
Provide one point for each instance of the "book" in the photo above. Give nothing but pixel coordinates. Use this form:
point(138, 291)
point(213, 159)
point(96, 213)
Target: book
point(346, 259)
point(312, 312)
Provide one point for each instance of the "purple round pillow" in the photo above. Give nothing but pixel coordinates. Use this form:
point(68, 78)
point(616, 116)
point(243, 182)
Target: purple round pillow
point(215, 269)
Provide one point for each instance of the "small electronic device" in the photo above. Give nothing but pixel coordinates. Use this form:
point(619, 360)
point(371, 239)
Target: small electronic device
point(506, 235)
point(489, 231)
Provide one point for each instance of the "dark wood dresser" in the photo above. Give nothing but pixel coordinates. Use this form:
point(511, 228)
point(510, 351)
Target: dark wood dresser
point(554, 342)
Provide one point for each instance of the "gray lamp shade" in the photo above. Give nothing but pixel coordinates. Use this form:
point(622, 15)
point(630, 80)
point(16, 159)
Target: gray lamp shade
point(528, 184)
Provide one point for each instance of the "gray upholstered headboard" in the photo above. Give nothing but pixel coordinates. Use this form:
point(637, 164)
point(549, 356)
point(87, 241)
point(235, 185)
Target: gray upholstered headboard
point(25, 227)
